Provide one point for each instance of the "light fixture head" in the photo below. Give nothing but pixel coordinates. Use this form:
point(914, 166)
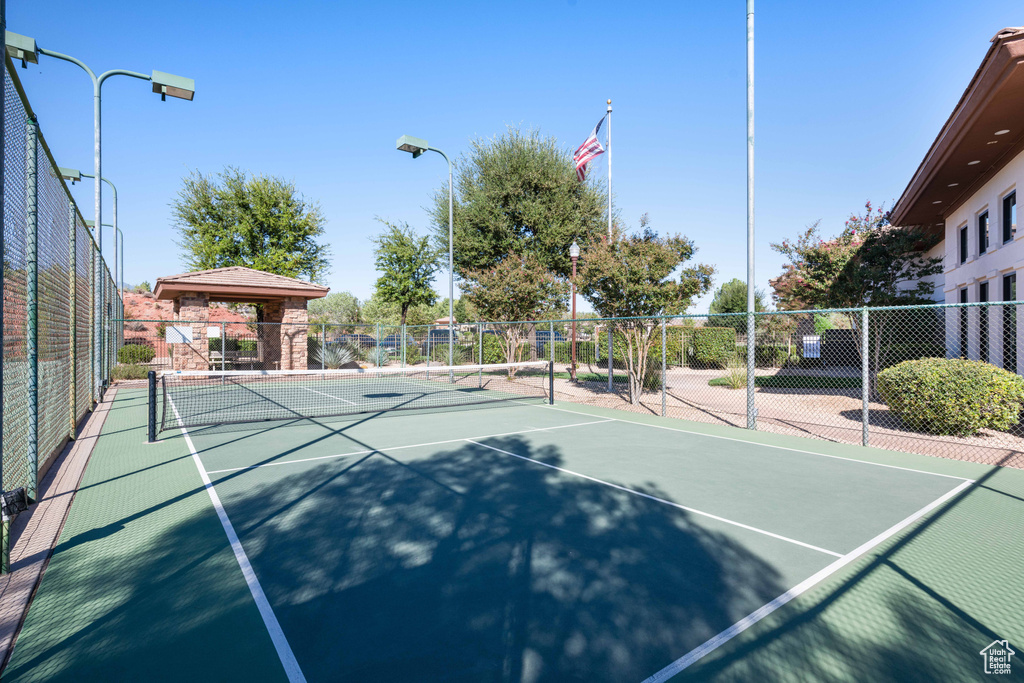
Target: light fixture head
point(165, 84)
point(574, 250)
point(73, 175)
point(408, 143)
point(22, 47)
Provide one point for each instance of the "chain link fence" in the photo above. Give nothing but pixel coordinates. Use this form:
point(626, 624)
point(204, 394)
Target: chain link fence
point(50, 300)
point(835, 375)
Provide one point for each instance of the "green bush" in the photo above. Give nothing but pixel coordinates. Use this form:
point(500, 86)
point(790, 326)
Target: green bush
point(711, 347)
point(412, 354)
point(463, 354)
point(129, 372)
point(132, 354)
point(584, 352)
point(952, 396)
point(494, 350)
point(766, 355)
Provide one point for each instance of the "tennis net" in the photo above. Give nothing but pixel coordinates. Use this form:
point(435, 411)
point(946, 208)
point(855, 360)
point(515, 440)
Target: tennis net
point(196, 398)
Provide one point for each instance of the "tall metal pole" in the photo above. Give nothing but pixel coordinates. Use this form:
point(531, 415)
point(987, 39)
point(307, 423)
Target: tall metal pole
point(609, 171)
point(451, 267)
point(32, 297)
point(98, 210)
point(573, 371)
point(5, 546)
point(751, 342)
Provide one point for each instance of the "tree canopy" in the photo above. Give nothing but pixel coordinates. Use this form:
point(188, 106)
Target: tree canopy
point(407, 263)
point(870, 263)
point(518, 194)
point(632, 276)
point(338, 308)
point(233, 219)
point(731, 297)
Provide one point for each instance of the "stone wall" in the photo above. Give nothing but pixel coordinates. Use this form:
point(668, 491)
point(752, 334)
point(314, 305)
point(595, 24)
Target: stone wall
point(192, 309)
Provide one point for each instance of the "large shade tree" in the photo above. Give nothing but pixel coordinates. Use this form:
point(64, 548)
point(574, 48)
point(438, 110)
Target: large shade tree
point(637, 276)
point(731, 297)
point(234, 219)
point(518, 194)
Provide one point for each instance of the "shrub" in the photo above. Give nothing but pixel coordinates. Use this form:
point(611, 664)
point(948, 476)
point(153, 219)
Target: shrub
point(124, 372)
point(495, 350)
point(135, 326)
point(952, 396)
point(584, 352)
point(161, 329)
point(412, 354)
point(331, 357)
point(133, 354)
point(711, 347)
point(439, 354)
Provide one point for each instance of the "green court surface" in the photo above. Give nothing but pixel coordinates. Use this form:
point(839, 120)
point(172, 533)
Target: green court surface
point(522, 542)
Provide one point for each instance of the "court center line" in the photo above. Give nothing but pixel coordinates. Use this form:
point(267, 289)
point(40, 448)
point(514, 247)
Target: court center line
point(337, 398)
point(662, 500)
point(766, 445)
point(398, 448)
point(284, 650)
point(760, 613)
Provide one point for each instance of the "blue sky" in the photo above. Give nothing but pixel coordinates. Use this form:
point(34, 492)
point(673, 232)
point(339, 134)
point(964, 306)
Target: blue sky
point(849, 97)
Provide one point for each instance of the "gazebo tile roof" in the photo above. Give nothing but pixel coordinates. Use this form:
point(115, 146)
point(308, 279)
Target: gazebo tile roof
point(237, 281)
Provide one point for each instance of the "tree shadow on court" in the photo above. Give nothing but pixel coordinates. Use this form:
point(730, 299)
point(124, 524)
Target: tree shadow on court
point(921, 609)
point(470, 564)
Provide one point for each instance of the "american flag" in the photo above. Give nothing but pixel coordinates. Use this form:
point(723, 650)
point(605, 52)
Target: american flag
point(587, 151)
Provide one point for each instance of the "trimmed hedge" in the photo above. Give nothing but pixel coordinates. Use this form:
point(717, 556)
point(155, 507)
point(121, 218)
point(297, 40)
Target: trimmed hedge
point(711, 347)
point(952, 396)
point(133, 354)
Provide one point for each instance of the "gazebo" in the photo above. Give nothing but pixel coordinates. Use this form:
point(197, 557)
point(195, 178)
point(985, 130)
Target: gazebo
point(284, 299)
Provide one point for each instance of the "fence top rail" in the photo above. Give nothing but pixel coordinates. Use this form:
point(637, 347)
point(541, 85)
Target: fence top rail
point(560, 321)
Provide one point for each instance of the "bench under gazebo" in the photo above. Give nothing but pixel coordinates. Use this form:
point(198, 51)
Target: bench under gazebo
point(283, 342)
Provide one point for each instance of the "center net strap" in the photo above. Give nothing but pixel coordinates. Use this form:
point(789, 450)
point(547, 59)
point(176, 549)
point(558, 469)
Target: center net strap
point(198, 398)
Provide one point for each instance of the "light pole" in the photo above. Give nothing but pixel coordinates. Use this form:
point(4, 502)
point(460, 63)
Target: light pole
point(574, 255)
point(418, 146)
point(74, 175)
point(164, 84)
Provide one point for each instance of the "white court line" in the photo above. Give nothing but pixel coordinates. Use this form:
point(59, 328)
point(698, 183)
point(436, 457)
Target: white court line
point(766, 445)
point(284, 650)
point(337, 398)
point(662, 500)
point(398, 448)
point(760, 613)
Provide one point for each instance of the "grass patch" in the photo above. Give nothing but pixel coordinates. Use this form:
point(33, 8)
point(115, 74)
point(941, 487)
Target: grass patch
point(593, 376)
point(795, 382)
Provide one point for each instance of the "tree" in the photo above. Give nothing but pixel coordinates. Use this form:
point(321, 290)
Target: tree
point(632, 277)
point(259, 222)
point(407, 264)
point(338, 308)
point(731, 297)
point(518, 288)
point(870, 263)
point(142, 287)
point(518, 194)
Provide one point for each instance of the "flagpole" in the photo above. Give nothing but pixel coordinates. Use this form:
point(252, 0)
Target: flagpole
point(609, 170)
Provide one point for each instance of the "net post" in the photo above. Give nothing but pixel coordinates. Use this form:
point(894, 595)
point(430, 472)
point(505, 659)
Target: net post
point(551, 382)
point(151, 378)
point(865, 376)
point(664, 363)
point(551, 341)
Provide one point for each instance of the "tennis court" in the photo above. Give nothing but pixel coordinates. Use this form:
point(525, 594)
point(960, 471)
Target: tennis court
point(511, 540)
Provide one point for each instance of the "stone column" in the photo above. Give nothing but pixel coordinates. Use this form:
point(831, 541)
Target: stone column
point(294, 334)
point(192, 310)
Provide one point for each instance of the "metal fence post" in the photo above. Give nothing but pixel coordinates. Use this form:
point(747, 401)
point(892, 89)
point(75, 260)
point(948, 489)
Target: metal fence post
point(751, 373)
point(865, 375)
point(664, 380)
point(224, 344)
point(611, 359)
point(32, 300)
point(73, 314)
point(405, 339)
point(551, 341)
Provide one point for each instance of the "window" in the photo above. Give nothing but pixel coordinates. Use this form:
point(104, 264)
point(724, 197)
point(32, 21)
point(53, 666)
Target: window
point(1009, 216)
point(983, 322)
point(983, 233)
point(964, 325)
point(1010, 323)
point(963, 244)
